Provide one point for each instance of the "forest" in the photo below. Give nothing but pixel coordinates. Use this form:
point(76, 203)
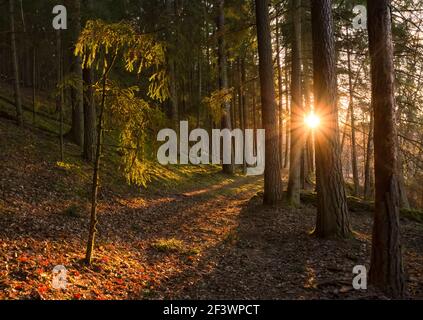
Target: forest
point(211, 149)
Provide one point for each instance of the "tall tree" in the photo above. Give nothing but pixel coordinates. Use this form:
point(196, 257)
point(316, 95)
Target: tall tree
point(352, 119)
point(297, 114)
point(77, 130)
point(16, 78)
point(386, 271)
point(332, 210)
point(272, 174)
point(223, 74)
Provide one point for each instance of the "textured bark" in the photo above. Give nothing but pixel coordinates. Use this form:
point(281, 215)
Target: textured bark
point(332, 211)
point(386, 270)
point(280, 86)
point(272, 174)
point(297, 112)
point(223, 76)
point(15, 63)
point(287, 111)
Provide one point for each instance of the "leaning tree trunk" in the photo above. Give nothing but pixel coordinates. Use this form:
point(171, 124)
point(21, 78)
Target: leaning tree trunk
point(297, 112)
point(223, 76)
point(332, 210)
point(272, 174)
point(386, 268)
point(16, 78)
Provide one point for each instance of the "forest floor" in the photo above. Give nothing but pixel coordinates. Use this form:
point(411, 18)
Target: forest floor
point(207, 238)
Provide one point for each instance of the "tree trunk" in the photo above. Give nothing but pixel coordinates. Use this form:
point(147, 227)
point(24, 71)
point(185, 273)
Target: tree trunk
point(287, 111)
point(352, 117)
point(76, 133)
point(272, 174)
point(368, 185)
point(297, 112)
point(386, 268)
point(170, 8)
point(90, 116)
point(96, 178)
point(90, 111)
point(60, 94)
point(223, 77)
point(16, 78)
point(280, 87)
point(332, 211)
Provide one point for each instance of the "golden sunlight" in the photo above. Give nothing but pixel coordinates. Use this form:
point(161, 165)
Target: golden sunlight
point(312, 121)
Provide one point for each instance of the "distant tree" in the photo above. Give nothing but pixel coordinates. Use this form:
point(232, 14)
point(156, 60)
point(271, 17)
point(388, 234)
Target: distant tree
point(223, 75)
point(332, 210)
point(15, 63)
point(386, 270)
point(272, 174)
point(77, 130)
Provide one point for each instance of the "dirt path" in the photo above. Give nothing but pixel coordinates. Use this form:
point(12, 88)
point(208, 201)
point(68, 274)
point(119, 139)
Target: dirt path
point(214, 242)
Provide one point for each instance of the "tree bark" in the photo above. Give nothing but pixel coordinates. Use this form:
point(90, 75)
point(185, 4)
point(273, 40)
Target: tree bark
point(386, 268)
point(272, 174)
point(368, 174)
point(280, 86)
point(297, 112)
point(332, 211)
point(356, 179)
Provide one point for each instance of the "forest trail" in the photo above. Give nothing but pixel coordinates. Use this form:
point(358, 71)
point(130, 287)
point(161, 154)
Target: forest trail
point(212, 241)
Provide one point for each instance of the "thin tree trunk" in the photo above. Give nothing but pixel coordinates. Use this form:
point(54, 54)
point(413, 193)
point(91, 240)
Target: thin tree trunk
point(386, 267)
point(76, 133)
point(223, 77)
point(332, 210)
point(287, 111)
point(244, 105)
point(60, 95)
point(89, 116)
point(272, 174)
point(352, 117)
point(280, 88)
point(16, 78)
point(96, 178)
point(96, 173)
point(34, 65)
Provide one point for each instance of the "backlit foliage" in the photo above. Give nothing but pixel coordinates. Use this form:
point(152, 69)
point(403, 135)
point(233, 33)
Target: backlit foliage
point(102, 46)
